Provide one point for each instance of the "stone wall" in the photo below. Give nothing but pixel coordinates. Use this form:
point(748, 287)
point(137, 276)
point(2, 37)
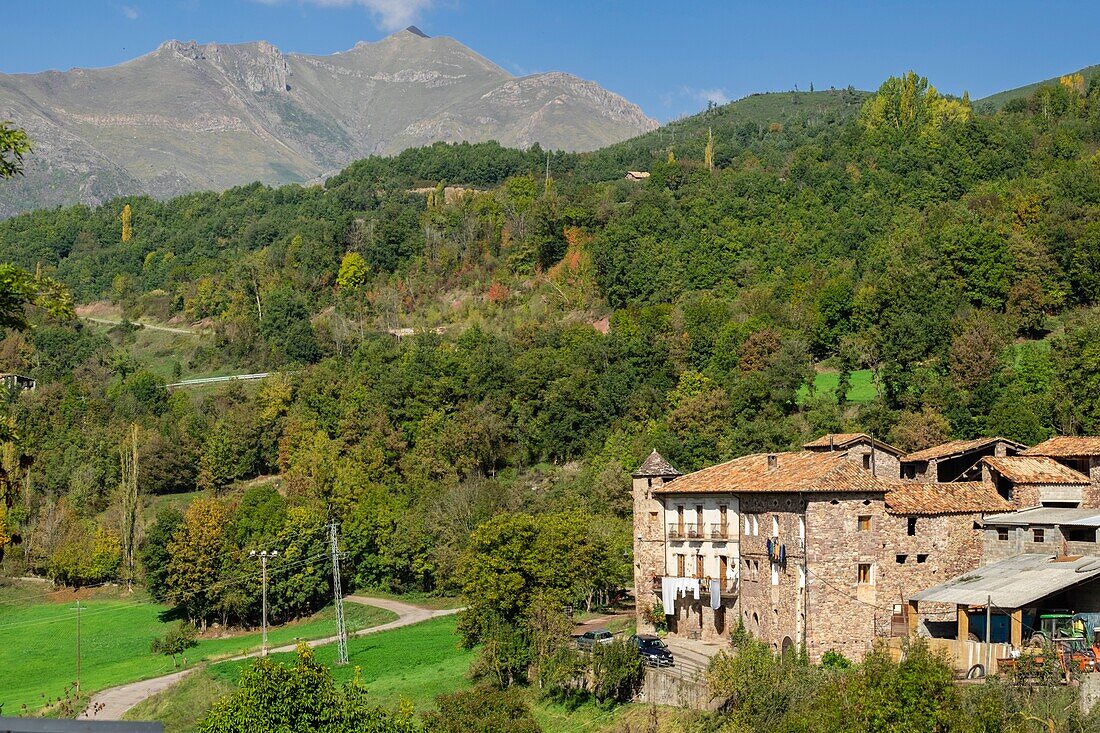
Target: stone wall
point(1021, 540)
point(649, 546)
point(675, 688)
point(772, 596)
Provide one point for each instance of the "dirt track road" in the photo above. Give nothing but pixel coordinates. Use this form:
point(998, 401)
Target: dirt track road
point(112, 703)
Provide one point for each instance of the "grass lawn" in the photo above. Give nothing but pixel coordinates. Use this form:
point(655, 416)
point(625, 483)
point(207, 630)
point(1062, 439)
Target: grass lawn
point(861, 387)
point(38, 642)
point(414, 663)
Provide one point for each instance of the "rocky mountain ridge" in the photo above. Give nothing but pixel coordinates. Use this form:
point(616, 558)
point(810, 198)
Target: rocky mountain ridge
point(192, 116)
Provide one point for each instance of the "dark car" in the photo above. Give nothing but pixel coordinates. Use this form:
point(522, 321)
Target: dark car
point(589, 639)
point(654, 651)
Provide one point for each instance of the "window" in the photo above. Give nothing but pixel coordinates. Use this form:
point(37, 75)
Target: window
point(922, 558)
point(747, 526)
point(755, 526)
point(1079, 534)
point(699, 566)
point(865, 574)
point(900, 559)
point(911, 526)
point(755, 570)
point(864, 523)
point(653, 516)
point(801, 577)
point(867, 461)
point(775, 526)
point(1039, 534)
point(679, 566)
point(802, 528)
point(775, 573)
point(1002, 534)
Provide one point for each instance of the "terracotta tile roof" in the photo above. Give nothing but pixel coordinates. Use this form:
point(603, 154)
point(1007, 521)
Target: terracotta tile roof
point(840, 441)
point(1035, 470)
point(1066, 445)
point(955, 447)
point(803, 471)
point(959, 497)
point(655, 465)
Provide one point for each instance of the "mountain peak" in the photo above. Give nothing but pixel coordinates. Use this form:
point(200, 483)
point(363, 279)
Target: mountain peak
point(416, 31)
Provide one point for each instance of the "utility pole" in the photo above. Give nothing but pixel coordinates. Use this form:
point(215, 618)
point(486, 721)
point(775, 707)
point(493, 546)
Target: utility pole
point(263, 564)
point(78, 645)
point(338, 597)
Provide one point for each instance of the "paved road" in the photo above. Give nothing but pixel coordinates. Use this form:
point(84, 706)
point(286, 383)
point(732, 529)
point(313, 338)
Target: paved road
point(112, 703)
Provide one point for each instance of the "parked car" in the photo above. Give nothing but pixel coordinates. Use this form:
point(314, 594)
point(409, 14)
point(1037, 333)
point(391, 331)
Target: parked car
point(589, 639)
point(653, 650)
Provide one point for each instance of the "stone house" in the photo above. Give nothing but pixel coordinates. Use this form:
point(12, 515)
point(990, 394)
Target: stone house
point(817, 549)
point(955, 459)
point(881, 459)
point(1049, 530)
point(1030, 481)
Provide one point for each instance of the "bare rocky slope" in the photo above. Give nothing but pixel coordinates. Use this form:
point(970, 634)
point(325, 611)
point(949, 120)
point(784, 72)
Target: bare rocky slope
point(192, 116)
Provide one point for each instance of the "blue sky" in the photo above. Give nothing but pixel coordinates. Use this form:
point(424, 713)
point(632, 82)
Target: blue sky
point(669, 57)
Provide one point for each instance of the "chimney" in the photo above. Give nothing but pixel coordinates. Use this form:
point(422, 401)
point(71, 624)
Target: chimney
point(773, 461)
point(831, 446)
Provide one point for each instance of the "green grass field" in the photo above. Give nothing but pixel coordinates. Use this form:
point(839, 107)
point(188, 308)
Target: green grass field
point(38, 643)
point(413, 663)
point(861, 389)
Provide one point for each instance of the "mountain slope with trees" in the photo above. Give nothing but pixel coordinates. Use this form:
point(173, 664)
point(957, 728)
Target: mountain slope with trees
point(563, 330)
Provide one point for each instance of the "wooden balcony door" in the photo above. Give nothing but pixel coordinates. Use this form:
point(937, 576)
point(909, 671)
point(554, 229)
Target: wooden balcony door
point(679, 566)
point(680, 520)
point(699, 520)
point(723, 569)
point(723, 523)
point(699, 566)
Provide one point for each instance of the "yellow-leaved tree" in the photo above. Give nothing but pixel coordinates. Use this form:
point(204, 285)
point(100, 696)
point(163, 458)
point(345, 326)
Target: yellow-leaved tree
point(127, 227)
point(910, 103)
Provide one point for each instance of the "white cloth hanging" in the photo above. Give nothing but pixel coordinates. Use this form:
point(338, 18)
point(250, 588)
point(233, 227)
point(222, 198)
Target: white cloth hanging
point(715, 593)
point(668, 595)
point(695, 588)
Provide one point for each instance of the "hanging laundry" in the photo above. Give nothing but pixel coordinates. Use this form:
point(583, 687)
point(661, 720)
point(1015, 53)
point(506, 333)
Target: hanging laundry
point(715, 593)
point(695, 589)
point(668, 595)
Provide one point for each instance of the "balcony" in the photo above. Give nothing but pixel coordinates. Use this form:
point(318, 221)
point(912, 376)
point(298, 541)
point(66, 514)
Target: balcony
point(677, 531)
point(720, 531)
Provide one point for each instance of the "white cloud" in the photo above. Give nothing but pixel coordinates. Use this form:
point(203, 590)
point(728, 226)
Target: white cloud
point(390, 15)
point(718, 96)
point(129, 11)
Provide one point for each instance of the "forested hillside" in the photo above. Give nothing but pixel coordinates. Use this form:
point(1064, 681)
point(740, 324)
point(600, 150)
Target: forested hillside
point(565, 329)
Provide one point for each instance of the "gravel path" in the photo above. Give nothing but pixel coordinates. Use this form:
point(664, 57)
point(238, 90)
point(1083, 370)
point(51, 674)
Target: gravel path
point(112, 703)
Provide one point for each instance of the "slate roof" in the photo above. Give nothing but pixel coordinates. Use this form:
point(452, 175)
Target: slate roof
point(957, 447)
point(1015, 582)
point(840, 441)
point(1035, 470)
point(1066, 445)
point(655, 465)
point(957, 497)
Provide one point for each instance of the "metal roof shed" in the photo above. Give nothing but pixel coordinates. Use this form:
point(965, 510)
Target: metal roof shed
point(1011, 585)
